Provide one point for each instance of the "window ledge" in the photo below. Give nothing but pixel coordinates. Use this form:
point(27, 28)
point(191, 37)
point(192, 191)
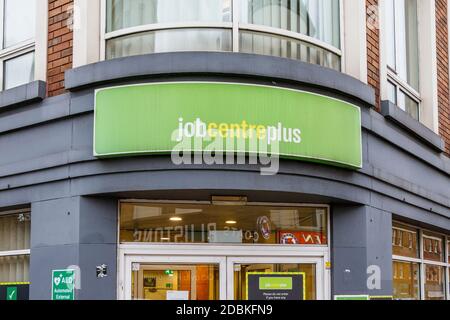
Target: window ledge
point(22, 95)
point(393, 113)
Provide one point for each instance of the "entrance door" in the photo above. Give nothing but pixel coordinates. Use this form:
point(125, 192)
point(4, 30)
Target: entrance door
point(175, 278)
point(275, 278)
point(152, 277)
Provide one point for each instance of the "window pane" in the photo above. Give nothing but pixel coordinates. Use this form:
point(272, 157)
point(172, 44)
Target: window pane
point(18, 71)
point(406, 284)
point(14, 232)
point(20, 17)
point(409, 105)
point(315, 18)
point(448, 252)
point(14, 269)
point(272, 45)
point(412, 43)
point(129, 13)
point(433, 247)
point(169, 41)
point(434, 282)
point(404, 241)
point(390, 33)
point(407, 43)
point(189, 223)
point(392, 93)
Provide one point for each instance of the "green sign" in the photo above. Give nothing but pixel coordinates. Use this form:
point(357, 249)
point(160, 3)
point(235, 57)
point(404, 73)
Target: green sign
point(351, 297)
point(271, 283)
point(252, 119)
point(63, 285)
point(275, 286)
point(11, 293)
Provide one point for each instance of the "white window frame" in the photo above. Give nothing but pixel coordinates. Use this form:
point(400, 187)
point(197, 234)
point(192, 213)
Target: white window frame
point(15, 253)
point(427, 96)
point(421, 261)
point(38, 44)
point(128, 251)
point(234, 26)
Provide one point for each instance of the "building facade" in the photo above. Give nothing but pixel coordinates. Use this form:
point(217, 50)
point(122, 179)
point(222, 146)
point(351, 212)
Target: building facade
point(347, 102)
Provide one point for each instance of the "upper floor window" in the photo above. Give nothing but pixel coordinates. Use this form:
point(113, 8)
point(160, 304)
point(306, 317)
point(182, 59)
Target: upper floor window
point(402, 55)
point(306, 30)
point(17, 33)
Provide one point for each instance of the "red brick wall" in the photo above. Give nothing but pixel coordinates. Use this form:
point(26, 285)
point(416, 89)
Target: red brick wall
point(373, 48)
point(443, 71)
point(60, 43)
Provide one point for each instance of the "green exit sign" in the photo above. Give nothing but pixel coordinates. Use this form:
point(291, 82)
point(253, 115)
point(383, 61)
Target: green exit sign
point(169, 272)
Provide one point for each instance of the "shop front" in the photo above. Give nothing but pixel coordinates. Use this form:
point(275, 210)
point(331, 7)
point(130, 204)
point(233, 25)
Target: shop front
point(162, 177)
point(200, 251)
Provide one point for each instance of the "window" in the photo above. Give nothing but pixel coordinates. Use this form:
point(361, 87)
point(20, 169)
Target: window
point(419, 267)
point(17, 42)
point(402, 55)
point(218, 224)
point(14, 248)
point(306, 30)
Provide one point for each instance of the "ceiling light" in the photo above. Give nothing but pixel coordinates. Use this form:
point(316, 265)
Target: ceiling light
point(231, 222)
point(176, 219)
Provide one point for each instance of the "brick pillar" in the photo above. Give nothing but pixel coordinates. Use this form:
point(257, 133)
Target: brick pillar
point(373, 49)
point(60, 44)
point(443, 71)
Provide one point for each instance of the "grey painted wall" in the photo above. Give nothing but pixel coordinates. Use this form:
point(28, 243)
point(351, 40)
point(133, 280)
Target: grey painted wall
point(75, 231)
point(361, 240)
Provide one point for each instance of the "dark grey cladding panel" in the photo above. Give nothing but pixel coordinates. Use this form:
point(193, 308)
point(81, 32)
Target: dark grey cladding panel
point(21, 95)
point(217, 63)
point(394, 113)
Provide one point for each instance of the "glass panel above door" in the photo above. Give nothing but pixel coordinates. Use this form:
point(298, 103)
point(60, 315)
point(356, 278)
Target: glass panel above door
point(223, 224)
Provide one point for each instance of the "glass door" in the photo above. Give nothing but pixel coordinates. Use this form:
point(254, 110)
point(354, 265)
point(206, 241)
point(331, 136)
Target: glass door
point(224, 277)
point(175, 278)
point(272, 278)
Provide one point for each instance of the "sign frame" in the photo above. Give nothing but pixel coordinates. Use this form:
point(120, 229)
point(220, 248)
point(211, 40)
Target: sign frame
point(298, 157)
point(303, 274)
point(72, 294)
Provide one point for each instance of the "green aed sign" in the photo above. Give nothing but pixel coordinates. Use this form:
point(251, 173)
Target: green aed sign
point(158, 118)
point(63, 285)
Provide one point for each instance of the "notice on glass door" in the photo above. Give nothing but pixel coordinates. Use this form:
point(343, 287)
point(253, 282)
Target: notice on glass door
point(276, 286)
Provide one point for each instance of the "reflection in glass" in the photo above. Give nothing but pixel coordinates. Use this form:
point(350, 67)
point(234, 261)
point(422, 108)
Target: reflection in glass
point(18, 71)
point(434, 282)
point(272, 45)
point(14, 269)
point(406, 280)
point(405, 241)
point(241, 270)
point(169, 41)
point(175, 282)
point(192, 223)
point(315, 18)
point(19, 21)
point(130, 13)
